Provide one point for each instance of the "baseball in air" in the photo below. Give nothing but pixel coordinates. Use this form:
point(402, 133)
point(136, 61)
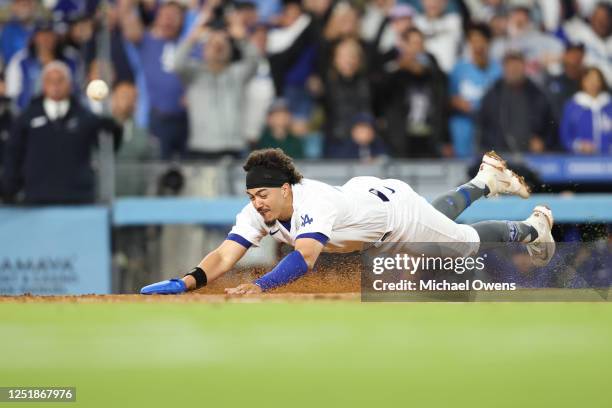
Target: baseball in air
point(97, 90)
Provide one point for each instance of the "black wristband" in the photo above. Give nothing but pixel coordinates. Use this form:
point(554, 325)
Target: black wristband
point(200, 277)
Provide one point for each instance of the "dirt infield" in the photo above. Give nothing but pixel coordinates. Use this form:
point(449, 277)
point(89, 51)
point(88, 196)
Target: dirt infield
point(325, 280)
point(340, 282)
point(187, 298)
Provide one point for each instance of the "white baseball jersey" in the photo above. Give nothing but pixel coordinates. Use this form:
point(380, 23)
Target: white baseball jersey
point(344, 218)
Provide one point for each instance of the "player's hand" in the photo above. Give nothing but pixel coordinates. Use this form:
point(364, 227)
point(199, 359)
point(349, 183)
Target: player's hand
point(244, 289)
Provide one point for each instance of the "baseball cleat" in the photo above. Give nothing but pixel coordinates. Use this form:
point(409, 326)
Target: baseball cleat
point(499, 178)
point(542, 248)
point(167, 287)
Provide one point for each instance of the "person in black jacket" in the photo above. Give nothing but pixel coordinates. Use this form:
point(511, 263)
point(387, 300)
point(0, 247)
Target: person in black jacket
point(412, 100)
point(515, 115)
point(347, 94)
point(6, 118)
point(49, 152)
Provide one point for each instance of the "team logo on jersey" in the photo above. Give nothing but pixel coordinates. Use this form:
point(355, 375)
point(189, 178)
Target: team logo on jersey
point(306, 220)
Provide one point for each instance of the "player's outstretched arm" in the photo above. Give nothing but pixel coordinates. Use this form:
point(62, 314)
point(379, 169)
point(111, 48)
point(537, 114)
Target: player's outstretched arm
point(215, 264)
point(290, 268)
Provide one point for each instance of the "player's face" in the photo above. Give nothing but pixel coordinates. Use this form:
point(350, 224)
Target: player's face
point(268, 202)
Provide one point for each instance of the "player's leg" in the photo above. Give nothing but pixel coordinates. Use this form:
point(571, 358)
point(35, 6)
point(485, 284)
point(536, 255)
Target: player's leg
point(454, 202)
point(420, 222)
point(535, 232)
point(493, 178)
point(505, 231)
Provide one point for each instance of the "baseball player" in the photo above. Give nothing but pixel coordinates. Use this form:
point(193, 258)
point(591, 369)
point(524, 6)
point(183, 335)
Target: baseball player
point(313, 217)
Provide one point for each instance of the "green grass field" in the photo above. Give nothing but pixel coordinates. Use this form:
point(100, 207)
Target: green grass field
point(312, 354)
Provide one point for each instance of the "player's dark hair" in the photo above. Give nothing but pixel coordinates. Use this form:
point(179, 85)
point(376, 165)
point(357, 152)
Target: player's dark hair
point(273, 159)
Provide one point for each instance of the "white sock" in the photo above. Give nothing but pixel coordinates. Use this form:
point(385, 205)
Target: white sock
point(478, 182)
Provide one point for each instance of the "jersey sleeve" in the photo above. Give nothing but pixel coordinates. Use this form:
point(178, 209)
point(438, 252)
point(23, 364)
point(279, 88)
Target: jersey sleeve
point(249, 228)
point(316, 220)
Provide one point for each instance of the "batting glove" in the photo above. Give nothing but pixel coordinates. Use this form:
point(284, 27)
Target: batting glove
point(167, 287)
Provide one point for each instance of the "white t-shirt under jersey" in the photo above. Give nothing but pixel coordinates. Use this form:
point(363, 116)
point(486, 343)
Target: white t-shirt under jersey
point(348, 216)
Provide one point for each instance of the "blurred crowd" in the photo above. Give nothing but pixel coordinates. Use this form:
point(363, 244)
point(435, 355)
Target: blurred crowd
point(361, 79)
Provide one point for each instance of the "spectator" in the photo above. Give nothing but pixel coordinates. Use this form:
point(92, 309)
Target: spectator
point(137, 146)
point(385, 44)
point(155, 49)
point(586, 127)
point(292, 55)
point(442, 32)
point(343, 23)
point(364, 143)
point(560, 88)
point(216, 89)
point(549, 12)
point(515, 114)
point(23, 80)
point(246, 13)
point(278, 131)
point(542, 52)
point(259, 93)
point(90, 44)
point(6, 119)
point(346, 93)
point(80, 33)
point(17, 31)
point(499, 26)
point(595, 35)
point(412, 99)
point(49, 153)
point(469, 81)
